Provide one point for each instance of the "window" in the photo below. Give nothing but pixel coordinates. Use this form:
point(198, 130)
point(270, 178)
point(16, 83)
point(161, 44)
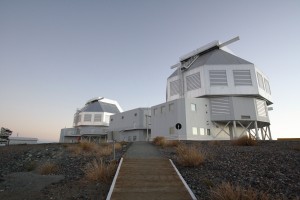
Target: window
point(195, 130)
point(202, 131)
point(87, 117)
point(208, 131)
point(134, 138)
point(193, 107)
point(97, 118)
point(163, 109)
point(154, 111)
point(171, 107)
point(122, 117)
point(79, 118)
point(111, 119)
point(135, 114)
point(171, 130)
point(218, 78)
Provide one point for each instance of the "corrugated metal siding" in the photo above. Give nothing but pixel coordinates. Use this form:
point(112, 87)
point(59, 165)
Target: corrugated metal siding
point(218, 77)
point(242, 77)
point(220, 106)
point(175, 87)
point(261, 108)
point(193, 81)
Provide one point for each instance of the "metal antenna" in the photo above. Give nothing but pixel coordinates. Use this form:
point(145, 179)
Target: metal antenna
point(229, 42)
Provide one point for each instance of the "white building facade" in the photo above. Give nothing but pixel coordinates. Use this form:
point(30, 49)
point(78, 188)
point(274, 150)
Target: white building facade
point(131, 126)
point(214, 95)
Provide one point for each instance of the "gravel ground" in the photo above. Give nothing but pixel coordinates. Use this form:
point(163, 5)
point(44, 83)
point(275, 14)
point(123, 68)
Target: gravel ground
point(272, 167)
point(19, 177)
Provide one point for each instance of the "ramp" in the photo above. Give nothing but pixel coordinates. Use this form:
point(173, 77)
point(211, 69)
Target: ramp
point(146, 178)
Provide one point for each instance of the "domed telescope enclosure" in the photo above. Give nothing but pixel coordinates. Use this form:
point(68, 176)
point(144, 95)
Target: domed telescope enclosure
point(92, 121)
point(236, 92)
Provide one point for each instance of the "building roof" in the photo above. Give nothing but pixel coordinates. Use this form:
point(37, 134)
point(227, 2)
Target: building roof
point(99, 106)
point(215, 57)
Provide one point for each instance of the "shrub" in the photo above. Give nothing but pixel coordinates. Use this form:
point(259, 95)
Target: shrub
point(159, 141)
point(104, 151)
point(118, 146)
point(30, 166)
point(189, 156)
point(245, 141)
point(171, 143)
point(48, 168)
point(226, 191)
point(97, 170)
point(87, 146)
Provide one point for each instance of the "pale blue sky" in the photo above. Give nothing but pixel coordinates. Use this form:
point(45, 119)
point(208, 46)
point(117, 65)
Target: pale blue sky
point(57, 54)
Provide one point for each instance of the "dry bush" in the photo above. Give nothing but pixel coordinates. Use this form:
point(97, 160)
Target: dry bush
point(189, 156)
point(159, 141)
point(171, 143)
point(245, 141)
point(118, 146)
point(87, 146)
point(99, 171)
point(75, 149)
point(226, 191)
point(48, 168)
point(104, 151)
point(123, 143)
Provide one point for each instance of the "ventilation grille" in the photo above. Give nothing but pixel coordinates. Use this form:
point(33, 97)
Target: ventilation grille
point(87, 117)
point(242, 77)
point(218, 77)
point(267, 86)
point(260, 81)
point(97, 118)
point(175, 87)
point(261, 108)
point(220, 106)
point(193, 81)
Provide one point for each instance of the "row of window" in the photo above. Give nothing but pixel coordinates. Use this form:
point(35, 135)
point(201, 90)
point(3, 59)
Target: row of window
point(162, 109)
point(195, 131)
point(91, 117)
point(219, 78)
point(135, 114)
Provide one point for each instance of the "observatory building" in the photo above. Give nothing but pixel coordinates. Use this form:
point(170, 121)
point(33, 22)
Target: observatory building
point(212, 95)
point(92, 121)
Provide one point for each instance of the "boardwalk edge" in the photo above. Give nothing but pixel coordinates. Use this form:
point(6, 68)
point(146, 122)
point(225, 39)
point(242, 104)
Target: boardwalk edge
point(114, 181)
point(183, 181)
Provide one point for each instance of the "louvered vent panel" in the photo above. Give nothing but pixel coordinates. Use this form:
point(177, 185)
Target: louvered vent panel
point(220, 106)
point(87, 117)
point(175, 87)
point(261, 108)
point(242, 77)
point(267, 86)
point(193, 81)
point(218, 77)
point(260, 81)
point(97, 118)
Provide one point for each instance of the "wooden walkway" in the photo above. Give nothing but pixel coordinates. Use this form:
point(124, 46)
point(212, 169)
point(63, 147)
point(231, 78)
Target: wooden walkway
point(146, 178)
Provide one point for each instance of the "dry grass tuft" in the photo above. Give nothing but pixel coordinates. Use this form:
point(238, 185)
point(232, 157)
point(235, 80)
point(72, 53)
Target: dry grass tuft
point(159, 141)
point(189, 156)
point(99, 171)
point(226, 191)
point(104, 151)
point(215, 143)
point(48, 168)
point(245, 141)
point(118, 146)
point(171, 143)
point(87, 146)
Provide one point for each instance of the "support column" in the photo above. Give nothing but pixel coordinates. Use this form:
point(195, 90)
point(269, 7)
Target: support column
point(270, 136)
point(234, 129)
point(262, 133)
point(256, 130)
